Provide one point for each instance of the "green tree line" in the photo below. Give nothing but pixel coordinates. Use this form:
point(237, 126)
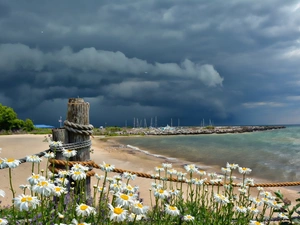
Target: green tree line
point(9, 120)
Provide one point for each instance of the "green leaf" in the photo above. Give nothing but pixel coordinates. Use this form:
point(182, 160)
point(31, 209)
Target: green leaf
point(278, 194)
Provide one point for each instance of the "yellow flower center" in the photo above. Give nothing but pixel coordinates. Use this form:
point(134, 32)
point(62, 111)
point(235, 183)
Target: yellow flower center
point(83, 207)
point(118, 210)
point(161, 191)
point(44, 183)
point(10, 160)
point(172, 208)
point(139, 205)
point(77, 172)
point(107, 165)
point(57, 189)
point(35, 176)
point(26, 199)
point(124, 197)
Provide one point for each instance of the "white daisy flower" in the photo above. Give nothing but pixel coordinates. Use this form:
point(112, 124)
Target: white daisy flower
point(129, 176)
point(85, 210)
point(201, 172)
point(274, 204)
point(191, 168)
point(115, 187)
point(24, 186)
point(68, 153)
point(254, 222)
point(55, 144)
point(174, 192)
point(58, 191)
point(62, 181)
point(133, 217)
point(226, 170)
point(78, 175)
point(100, 189)
point(221, 199)
point(117, 214)
point(35, 178)
point(106, 167)
point(161, 193)
point(241, 209)
point(172, 210)
point(77, 166)
point(49, 155)
point(3, 221)
point(2, 193)
point(159, 169)
point(99, 177)
point(167, 165)
point(123, 200)
point(138, 208)
point(212, 175)
point(244, 170)
point(33, 159)
point(43, 187)
point(75, 222)
point(63, 173)
point(188, 218)
point(256, 201)
point(249, 181)
point(172, 171)
point(232, 166)
point(267, 194)
point(253, 210)
point(25, 202)
point(243, 190)
point(282, 216)
point(12, 163)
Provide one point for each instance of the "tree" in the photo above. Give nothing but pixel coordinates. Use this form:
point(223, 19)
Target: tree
point(8, 118)
point(28, 125)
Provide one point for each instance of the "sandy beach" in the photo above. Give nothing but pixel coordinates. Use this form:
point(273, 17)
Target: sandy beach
point(105, 150)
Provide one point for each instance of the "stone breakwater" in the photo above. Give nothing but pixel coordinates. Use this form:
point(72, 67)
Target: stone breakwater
point(198, 130)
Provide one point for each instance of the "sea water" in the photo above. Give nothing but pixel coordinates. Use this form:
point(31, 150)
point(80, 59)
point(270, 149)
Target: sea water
point(272, 155)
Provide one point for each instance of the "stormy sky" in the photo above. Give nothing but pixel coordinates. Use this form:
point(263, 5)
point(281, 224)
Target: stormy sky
point(231, 62)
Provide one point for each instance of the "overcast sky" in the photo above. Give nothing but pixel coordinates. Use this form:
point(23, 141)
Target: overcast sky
point(231, 62)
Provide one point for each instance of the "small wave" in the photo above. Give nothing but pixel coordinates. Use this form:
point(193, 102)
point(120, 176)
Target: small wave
point(150, 154)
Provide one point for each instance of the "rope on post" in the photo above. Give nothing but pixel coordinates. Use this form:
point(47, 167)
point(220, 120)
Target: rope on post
point(79, 128)
point(72, 146)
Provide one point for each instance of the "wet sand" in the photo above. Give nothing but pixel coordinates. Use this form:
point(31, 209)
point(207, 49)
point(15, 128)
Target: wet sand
point(104, 150)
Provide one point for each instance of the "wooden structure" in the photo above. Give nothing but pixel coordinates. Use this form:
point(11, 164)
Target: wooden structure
point(77, 114)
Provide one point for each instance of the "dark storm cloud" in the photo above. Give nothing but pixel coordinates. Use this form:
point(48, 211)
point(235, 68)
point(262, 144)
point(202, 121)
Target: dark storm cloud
point(233, 61)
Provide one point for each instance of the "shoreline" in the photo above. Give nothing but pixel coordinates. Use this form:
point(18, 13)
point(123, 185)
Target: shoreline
point(107, 150)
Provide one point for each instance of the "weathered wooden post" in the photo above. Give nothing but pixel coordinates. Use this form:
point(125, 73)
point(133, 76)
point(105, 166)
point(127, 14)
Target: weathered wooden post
point(76, 133)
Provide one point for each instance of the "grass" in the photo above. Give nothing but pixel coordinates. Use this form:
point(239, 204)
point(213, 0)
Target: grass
point(62, 198)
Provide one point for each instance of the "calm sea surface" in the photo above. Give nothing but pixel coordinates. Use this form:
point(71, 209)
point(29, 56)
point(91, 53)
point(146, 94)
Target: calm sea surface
point(272, 155)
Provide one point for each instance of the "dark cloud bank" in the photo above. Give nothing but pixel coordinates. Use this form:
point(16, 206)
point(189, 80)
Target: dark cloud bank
point(233, 62)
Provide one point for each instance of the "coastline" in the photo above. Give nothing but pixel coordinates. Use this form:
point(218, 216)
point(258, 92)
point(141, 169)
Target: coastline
point(107, 150)
point(138, 156)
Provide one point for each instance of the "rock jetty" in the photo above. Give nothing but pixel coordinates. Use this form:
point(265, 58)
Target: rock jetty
point(197, 130)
